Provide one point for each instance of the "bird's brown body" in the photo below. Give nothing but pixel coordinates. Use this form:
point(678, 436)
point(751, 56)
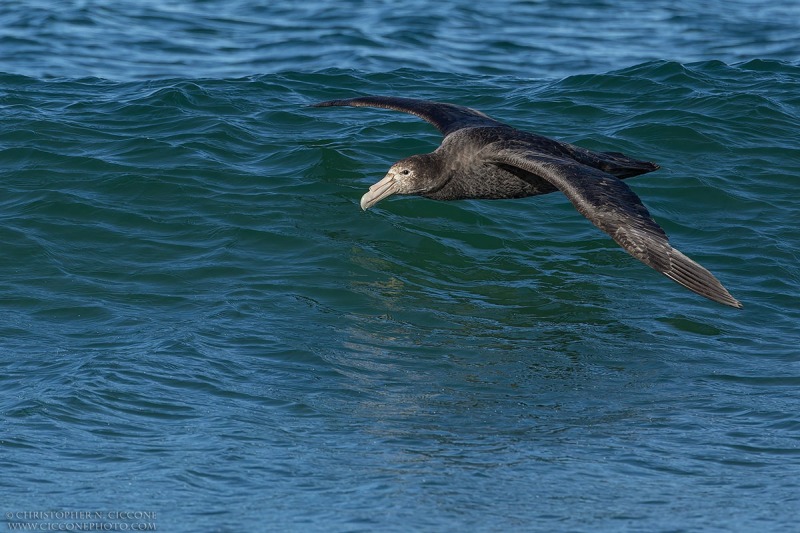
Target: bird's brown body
point(481, 158)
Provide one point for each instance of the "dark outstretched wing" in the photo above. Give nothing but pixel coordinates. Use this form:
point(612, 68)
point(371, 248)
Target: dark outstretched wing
point(446, 117)
point(614, 208)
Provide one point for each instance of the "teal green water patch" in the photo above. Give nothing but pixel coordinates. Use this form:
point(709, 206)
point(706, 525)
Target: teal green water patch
point(194, 302)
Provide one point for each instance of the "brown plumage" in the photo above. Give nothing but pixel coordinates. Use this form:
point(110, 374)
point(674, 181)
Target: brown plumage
point(481, 158)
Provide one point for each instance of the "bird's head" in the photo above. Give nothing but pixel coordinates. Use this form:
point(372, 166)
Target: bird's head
point(417, 174)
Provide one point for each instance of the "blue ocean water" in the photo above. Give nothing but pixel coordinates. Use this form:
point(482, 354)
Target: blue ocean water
point(200, 330)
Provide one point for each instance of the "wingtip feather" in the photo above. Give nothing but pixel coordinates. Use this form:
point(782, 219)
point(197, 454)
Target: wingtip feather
point(696, 278)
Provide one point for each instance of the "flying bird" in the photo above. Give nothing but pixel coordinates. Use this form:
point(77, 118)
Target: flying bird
point(482, 158)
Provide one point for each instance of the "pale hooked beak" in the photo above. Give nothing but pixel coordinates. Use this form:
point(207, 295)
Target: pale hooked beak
point(386, 187)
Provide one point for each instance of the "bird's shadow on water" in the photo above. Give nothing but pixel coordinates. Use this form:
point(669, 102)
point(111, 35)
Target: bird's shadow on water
point(455, 380)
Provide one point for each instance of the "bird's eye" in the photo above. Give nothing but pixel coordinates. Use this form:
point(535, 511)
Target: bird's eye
point(405, 172)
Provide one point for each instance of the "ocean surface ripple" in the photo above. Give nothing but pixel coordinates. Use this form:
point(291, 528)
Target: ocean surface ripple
point(199, 321)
